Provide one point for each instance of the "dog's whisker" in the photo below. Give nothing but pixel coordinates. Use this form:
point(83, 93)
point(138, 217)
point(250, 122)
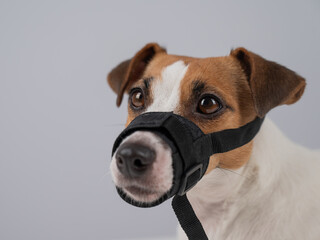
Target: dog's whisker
point(103, 176)
point(106, 174)
point(224, 173)
point(233, 172)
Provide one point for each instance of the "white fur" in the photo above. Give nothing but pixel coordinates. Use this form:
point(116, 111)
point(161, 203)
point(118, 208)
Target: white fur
point(166, 91)
point(276, 195)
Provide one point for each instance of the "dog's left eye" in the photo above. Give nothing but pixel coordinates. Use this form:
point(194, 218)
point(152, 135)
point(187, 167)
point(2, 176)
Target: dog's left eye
point(208, 105)
point(137, 98)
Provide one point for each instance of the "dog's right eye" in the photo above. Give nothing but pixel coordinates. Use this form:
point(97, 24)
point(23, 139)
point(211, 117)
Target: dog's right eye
point(137, 98)
point(208, 105)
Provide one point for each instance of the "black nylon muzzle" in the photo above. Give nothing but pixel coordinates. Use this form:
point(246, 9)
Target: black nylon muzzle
point(191, 148)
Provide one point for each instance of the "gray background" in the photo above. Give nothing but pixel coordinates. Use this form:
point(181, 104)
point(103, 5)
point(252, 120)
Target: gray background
point(58, 117)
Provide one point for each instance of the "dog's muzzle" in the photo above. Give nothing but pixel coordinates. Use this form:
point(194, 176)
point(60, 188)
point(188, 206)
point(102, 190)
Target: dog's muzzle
point(191, 148)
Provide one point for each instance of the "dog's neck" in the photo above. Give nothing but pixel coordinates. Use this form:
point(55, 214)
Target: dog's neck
point(222, 193)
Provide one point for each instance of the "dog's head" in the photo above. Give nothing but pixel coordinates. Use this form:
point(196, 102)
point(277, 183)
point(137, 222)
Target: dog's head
point(215, 93)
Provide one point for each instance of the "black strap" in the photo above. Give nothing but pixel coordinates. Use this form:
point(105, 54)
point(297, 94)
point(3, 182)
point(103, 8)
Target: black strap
point(227, 140)
point(179, 132)
point(222, 141)
point(230, 139)
point(187, 218)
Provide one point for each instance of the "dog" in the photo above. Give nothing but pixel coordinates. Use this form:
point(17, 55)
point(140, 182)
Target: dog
point(266, 189)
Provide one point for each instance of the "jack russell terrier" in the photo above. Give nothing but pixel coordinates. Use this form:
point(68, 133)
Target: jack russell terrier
point(267, 189)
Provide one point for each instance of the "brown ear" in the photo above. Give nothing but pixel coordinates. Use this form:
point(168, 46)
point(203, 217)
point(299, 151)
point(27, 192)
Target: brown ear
point(271, 84)
point(129, 71)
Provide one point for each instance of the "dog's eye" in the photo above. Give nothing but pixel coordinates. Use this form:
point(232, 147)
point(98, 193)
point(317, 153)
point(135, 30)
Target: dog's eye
point(208, 105)
point(137, 98)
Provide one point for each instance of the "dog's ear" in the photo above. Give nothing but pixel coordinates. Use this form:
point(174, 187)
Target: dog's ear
point(129, 71)
point(271, 84)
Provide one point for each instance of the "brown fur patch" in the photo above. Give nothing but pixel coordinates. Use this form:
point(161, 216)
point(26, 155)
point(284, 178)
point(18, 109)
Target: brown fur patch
point(225, 79)
point(224, 75)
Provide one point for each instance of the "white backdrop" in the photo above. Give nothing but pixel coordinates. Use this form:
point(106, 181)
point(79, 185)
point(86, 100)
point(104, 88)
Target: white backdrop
point(58, 117)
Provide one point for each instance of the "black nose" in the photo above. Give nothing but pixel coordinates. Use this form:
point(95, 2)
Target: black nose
point(134, 159)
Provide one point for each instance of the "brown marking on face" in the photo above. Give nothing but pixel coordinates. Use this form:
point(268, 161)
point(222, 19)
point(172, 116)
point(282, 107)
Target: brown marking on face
point(222, 77)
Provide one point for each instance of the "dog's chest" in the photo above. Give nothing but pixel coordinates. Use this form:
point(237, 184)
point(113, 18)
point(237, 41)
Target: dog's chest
point(210, 215)
point(209, 199)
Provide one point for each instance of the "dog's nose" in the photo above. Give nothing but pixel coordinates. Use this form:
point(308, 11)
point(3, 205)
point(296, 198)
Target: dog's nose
point(134, 159)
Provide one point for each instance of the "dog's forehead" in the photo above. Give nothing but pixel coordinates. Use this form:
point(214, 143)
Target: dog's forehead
point(174, 77)
point(162, 61)
point(208, 69)
point(165, 86)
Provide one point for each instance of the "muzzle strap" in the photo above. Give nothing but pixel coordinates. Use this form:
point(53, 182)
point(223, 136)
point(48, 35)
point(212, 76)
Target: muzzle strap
point(218, 142)
point(187, 218)
point(230, 139)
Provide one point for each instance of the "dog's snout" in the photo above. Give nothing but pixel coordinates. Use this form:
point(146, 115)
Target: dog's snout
point(134, 159)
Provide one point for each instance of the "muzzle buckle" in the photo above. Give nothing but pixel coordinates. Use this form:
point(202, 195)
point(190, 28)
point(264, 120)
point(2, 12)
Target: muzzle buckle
point(192, 176)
